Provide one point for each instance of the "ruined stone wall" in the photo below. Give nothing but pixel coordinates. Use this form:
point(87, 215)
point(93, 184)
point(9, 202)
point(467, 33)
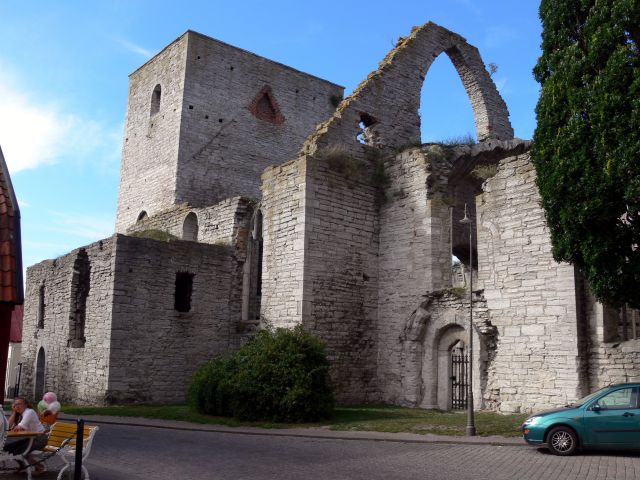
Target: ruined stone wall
point(284, 203)
point(151, 141)
point(531, 298)
point(414, 254)
point(242, 113)
point(218, 224)
point(155, 348)
point(341, 270)
point(320, 262)
point(77, 371)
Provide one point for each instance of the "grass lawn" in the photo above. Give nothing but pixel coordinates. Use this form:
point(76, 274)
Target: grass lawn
point(355, 418)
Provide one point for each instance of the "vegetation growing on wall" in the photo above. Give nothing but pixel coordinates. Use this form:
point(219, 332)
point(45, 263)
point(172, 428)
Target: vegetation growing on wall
point(280, 375)
point(335, 100)
point(155, 234)
point(339, 160)
point(484, 171)
point(586, 147)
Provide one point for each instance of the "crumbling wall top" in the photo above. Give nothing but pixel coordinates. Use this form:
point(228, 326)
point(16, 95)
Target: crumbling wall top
point(382, 111)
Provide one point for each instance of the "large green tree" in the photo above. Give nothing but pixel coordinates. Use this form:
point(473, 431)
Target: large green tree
point(586, 147)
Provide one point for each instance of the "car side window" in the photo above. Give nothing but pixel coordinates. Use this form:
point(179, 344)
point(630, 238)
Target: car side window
point(625, 398)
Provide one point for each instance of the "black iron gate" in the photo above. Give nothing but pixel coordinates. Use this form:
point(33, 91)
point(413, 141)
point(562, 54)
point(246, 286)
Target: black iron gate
point(459, 379)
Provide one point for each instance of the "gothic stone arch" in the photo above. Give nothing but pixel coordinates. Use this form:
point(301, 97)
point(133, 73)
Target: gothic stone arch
point(429, 333)
point(387, 102)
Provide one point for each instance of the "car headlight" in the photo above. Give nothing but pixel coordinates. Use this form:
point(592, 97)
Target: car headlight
point(532, 421)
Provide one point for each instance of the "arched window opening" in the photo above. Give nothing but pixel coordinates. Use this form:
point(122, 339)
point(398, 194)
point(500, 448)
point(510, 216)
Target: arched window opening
point(40, 313)
point(190, 228)
point(155, 99)
point(463, 231)
point(40, 367)
point(446, 114)
point(142, 216)
point(458, 277)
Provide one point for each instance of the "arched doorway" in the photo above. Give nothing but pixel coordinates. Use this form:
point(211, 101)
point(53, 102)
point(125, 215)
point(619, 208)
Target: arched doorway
point(450, 345)
point(459, 375)
point(40, 367)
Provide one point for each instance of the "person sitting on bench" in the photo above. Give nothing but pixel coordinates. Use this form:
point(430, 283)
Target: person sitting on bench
point(24, 418)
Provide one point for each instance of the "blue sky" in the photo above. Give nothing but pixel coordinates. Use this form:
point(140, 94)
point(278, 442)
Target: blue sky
point(64, 70)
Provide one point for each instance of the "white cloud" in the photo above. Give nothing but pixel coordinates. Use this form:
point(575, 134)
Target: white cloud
point(132, 47)
point(31, 133)
point(91, 227)
point(35, 133)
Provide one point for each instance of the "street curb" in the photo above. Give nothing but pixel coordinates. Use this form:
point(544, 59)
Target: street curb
point(349, 436)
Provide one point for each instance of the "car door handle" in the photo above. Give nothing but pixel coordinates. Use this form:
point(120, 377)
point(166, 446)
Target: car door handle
point(628, 414)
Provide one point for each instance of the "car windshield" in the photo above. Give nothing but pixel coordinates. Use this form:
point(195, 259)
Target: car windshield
point(588, 398)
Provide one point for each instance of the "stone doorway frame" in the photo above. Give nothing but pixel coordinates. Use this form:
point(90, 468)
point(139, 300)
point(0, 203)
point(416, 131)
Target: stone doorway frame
point(40, 374)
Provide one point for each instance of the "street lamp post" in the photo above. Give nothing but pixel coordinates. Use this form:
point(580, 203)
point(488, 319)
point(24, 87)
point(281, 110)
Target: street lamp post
point(471, 422)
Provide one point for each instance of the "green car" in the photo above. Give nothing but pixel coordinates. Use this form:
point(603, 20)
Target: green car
point(607, 418)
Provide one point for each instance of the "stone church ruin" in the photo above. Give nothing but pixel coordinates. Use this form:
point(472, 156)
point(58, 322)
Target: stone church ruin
point(251, 194)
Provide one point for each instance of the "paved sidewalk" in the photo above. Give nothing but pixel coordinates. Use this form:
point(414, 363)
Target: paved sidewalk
point(321, 433)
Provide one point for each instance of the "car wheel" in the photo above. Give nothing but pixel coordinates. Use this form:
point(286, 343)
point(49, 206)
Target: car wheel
point(562, 441)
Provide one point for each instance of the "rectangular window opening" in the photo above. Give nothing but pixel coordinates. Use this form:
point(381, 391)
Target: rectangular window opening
point(184, 288)
point(41, 307)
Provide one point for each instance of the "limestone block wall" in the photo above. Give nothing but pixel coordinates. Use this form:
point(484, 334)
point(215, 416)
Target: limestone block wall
point(610, 358)
point(219, 224)
point(155, 348)
point(611, 362)
point(341, 271)
point(151, 141)
point(227, 138)
point(532, 299)
point(320, 262)
point(284, 204)
point(414, 255)
point(76, 374)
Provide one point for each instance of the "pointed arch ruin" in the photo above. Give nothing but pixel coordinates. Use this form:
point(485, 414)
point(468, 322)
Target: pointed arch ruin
point(391, 95)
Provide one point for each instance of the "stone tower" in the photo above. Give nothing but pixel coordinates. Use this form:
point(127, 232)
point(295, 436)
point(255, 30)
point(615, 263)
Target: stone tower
point(204, 119)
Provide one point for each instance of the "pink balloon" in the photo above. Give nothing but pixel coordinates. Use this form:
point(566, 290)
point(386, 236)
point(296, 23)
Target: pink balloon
point(50, 397)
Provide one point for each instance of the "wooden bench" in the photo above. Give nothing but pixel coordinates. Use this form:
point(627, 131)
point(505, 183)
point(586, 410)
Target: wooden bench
point(62, 442)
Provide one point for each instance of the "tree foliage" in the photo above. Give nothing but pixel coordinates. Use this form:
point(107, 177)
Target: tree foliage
point(279, 375)
point(586, 147)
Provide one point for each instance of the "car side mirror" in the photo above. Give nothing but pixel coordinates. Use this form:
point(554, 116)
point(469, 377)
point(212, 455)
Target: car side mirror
point(596, 407)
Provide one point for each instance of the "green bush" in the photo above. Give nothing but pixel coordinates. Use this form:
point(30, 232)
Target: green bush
point(280, 375)
point(212, 388)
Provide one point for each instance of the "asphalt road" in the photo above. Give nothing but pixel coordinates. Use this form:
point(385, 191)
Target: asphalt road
point(132, 453)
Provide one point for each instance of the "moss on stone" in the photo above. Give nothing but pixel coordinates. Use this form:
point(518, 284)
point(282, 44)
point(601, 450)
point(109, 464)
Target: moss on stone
point(155, 234)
